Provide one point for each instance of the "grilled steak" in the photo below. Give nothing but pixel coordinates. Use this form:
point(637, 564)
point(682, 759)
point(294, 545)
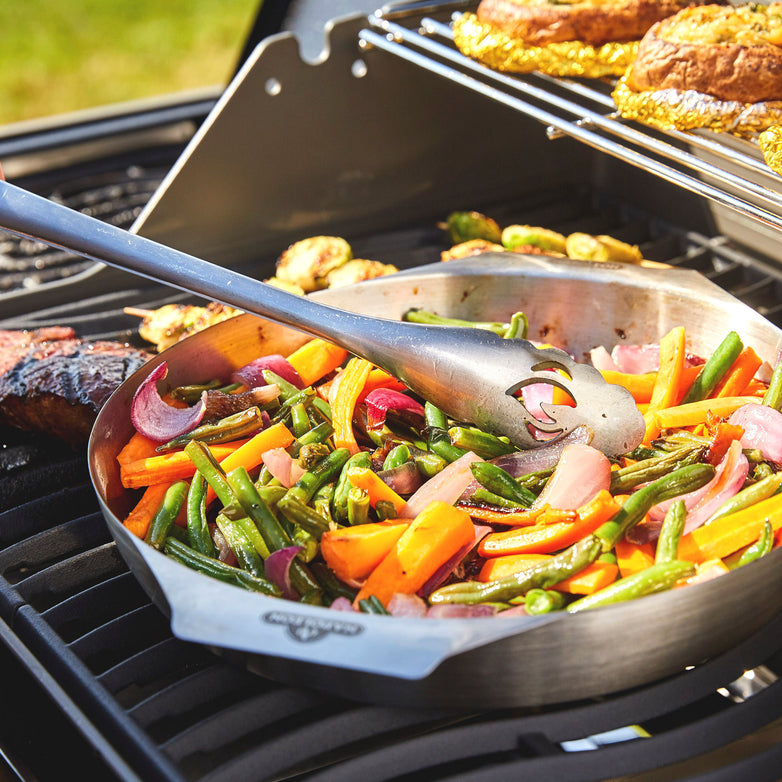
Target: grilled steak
point(53, 382)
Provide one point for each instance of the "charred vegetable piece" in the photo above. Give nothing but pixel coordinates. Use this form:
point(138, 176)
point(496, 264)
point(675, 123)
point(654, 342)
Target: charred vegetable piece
point(197, 524)
point(585, 247)
point(464, 226)
point(627, 478)
point(486, 445)
point(358, 270)
point(671, 533)
point(307, 263)
point(514, 236)
point(233, 427)
point(166, 514)
point(498, 481)
point(439, 440)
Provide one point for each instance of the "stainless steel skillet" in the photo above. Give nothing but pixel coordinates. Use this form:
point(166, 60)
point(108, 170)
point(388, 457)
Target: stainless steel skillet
point(464, 664)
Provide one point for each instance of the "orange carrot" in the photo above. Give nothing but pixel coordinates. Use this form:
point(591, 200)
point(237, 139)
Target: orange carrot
point(316, 359)
point(545, 538)
point(666, 391)
point(633, 557)
point(343, 397)
point(141, 516)
point(432, 538)
point(167, 467)
point(592, 578)
point(738, 377)
point(375, 487)
point(723, 536)
point(499, 567)
point(138, 447)
point(250, 453)
point(354, 552)
point(695, 413)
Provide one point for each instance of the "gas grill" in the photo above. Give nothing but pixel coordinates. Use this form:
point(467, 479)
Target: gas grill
point(93, 679)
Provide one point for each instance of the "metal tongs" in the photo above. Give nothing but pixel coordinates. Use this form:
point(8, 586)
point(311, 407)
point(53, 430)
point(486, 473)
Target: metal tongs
point(472, 375)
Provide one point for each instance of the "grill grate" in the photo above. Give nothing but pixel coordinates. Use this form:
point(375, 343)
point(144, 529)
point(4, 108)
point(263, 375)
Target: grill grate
point(173, 711)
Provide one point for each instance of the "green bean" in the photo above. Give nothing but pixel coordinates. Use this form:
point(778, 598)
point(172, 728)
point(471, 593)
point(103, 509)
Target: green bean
point(518, 327)
point(656, 578)
point(192, 393)
point(396, 457)
point(760, 548)
point(671, 533)
point(318, 434)
point(339, 505)
point(321, 502)
point(544, 601)
point(761, 490)
point(210, 468)
point(287, 390)
point(217, 569)
point(308, 544)
point(197, 526)
point(715, 368)
point(682, 481)
point(438, 438)
point(250, 529)
point(385, 509)
point(427, 463)
point(432, 319)
point(762, 471)
point(241, 545)
point(322, 406)
point(302, 515)
point(166, 514)
point(485, 445)
point(300, 421)
point(372, 605)
point(358, 506)
point(535, 481)
point(271, 495)
point(484, 496)
point(313, 598)
point(332, 586)
point(644, 452)
point(544, 575)
point(232, 427)
point(773, 395)
point(324, 472)
point(626, 478)
point(498, 481)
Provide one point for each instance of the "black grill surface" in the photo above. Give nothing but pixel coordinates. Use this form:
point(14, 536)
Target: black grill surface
point(115, 695)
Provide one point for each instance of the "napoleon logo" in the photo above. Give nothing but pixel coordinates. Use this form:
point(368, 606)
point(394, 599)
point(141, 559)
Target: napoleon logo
point(307, 629)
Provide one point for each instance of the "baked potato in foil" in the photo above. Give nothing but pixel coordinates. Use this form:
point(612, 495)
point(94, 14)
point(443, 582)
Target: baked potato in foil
point(770, 142)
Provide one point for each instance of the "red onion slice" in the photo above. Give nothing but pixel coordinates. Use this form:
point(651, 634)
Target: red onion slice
point(278, 567)
point(251, 374)
point(401, 604)
point(455, 611)
point(582, 471)
point(283, 466)
point(158, 421)
point(447, 486)
point(381, 400)
point(762, 430)
point(445, 570)
point(342, 604)
point(404, 479)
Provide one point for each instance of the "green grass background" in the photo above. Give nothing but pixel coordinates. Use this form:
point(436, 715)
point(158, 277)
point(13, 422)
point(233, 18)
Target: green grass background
point(64, 55)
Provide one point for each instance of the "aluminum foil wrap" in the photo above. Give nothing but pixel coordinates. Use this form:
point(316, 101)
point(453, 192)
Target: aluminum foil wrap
point(671, 109)
point(501, 52)
point(770, 142)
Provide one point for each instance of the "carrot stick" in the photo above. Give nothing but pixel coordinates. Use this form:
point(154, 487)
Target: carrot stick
point(633, 557)
point(498, 567)
point(316, 359)
point(666, 391)
point(696, 413)
point(723, 536)
point(138, 447)
point(375, 487)
point(545, 538)
point(250, 453)
point(739, 375)
point(141, 516)
point(167, 467)
point(641, 386)
point(343, 397)
point(379, 378)
point(354, 552)
point(435, 535)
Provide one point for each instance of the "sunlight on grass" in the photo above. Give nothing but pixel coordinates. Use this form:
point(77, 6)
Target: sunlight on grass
point(60, 57)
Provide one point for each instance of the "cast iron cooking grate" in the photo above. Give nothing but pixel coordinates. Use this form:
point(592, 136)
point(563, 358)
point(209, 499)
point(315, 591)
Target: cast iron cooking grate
point(156, 708)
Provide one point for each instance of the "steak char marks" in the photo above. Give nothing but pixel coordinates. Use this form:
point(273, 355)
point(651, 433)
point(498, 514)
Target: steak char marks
point(52, 381)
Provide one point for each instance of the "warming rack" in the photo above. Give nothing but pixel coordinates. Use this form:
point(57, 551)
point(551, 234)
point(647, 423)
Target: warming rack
point(726, 170)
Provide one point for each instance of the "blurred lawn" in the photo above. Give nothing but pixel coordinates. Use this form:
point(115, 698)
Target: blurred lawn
point(66, 55)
